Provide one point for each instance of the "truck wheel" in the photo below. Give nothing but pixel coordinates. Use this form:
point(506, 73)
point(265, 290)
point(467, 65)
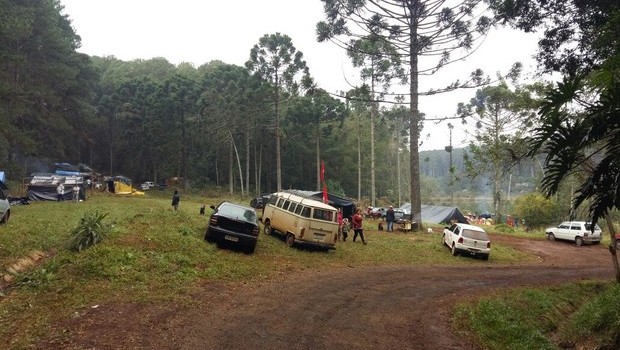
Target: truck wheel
point(550, 237)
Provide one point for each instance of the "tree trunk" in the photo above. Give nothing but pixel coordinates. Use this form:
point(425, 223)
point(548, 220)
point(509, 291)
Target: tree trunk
point(318, 156)
point(278, 156)
point(247, 161)
point(612, 247)
point(497, 197)
point(230, 168)
point(373, 114)
point(414, 128)
point(359, 157)
point(234, 145)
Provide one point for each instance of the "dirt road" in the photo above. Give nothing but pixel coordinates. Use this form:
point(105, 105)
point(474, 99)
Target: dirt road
point(353, 308)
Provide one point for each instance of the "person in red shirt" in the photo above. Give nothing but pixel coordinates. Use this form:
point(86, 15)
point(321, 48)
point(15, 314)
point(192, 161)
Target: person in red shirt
point(357, 225)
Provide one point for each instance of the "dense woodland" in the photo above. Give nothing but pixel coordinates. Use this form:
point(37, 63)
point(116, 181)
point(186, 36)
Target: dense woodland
point(214, 125)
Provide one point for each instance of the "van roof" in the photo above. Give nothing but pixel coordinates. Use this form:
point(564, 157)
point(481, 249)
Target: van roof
point(304, 200)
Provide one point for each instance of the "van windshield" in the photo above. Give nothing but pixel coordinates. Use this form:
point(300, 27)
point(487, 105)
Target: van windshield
point(322, 214)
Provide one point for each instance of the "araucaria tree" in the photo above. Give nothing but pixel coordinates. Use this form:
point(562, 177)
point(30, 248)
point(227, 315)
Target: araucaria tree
point(414, 28)
point(502, 118)
point(277, 61)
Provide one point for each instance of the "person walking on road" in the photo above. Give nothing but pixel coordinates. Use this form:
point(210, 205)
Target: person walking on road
point(357, 225)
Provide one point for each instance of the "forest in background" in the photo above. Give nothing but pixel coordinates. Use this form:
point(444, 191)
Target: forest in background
point(212, 126)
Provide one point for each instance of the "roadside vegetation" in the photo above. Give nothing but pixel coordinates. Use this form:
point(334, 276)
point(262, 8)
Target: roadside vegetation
point(573, 316)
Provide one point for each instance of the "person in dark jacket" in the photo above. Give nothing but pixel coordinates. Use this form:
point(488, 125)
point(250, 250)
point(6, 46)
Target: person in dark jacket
point(175, 200)
point(389, 218)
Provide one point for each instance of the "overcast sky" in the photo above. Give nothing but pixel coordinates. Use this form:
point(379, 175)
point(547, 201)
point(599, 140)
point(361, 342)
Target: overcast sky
point(199, 31)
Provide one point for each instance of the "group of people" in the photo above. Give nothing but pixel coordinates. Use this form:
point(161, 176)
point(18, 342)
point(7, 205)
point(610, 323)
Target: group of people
point(356, 223)
point(60, 192)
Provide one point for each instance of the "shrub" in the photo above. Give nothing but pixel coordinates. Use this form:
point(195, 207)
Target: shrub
point(536, 209)
point(90, 231)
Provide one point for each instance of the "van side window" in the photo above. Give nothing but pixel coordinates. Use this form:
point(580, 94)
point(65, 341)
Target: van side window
point(306, 212)
point(575, 227)
point(273, 200)
point(322, 214)
point(298, 209)
point(280, 203)
point(292, 207)
point(286, 204)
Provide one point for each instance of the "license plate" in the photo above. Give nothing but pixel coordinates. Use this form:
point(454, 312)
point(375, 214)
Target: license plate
point(231, 238)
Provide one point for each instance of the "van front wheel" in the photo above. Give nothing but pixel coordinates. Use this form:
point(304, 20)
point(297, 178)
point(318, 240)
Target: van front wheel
point(290, 239)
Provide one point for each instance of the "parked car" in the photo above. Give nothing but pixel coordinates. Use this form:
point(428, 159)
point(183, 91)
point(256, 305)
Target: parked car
point(147, 185)
point(5, 206)
point(406, 208)
point(467, 239)
point(259, 202)
point(399, 214)
point(234, 224)
point(575, 231)
point(377, 212)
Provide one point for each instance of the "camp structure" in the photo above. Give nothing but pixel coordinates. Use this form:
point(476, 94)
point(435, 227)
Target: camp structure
point(436, 214)
point(42, 187)
point(120, 185)
point(66, 169)
point(345, 204)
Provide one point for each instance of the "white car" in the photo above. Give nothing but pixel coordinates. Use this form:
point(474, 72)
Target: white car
point(5, 207)
point(467, 239)
point(575, 231)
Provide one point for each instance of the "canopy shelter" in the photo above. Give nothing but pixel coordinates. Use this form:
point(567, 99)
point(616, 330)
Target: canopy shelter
point(67, 169)
point(436, 214)
point(120, 185)
point(345, 204)
point(42, 187)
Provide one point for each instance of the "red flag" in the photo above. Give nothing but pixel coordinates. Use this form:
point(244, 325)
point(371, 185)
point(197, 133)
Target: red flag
point(322, 171)
point(325, 199)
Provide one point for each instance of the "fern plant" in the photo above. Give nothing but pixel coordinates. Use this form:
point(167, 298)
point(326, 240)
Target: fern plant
point(90, 231)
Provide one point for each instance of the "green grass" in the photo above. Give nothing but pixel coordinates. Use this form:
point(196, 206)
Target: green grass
point(578, 315)
point(152, 254)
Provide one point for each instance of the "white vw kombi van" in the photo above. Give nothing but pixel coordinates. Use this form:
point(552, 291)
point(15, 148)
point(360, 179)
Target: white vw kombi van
point(301, 220)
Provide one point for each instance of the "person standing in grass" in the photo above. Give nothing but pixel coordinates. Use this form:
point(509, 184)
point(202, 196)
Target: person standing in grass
point(389, 218)
point(60, 192)
point(175, 200)
point(76, 193)
point(357, 225)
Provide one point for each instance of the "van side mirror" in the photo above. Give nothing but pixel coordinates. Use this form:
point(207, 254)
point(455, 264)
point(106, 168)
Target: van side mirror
point(212, 207)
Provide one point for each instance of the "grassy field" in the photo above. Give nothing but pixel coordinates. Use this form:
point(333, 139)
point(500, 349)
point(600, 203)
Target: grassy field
point(153, 254)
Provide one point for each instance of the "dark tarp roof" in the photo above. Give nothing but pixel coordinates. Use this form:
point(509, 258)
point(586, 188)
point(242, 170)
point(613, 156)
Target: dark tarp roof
point(438, 214)
point(347, 205)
